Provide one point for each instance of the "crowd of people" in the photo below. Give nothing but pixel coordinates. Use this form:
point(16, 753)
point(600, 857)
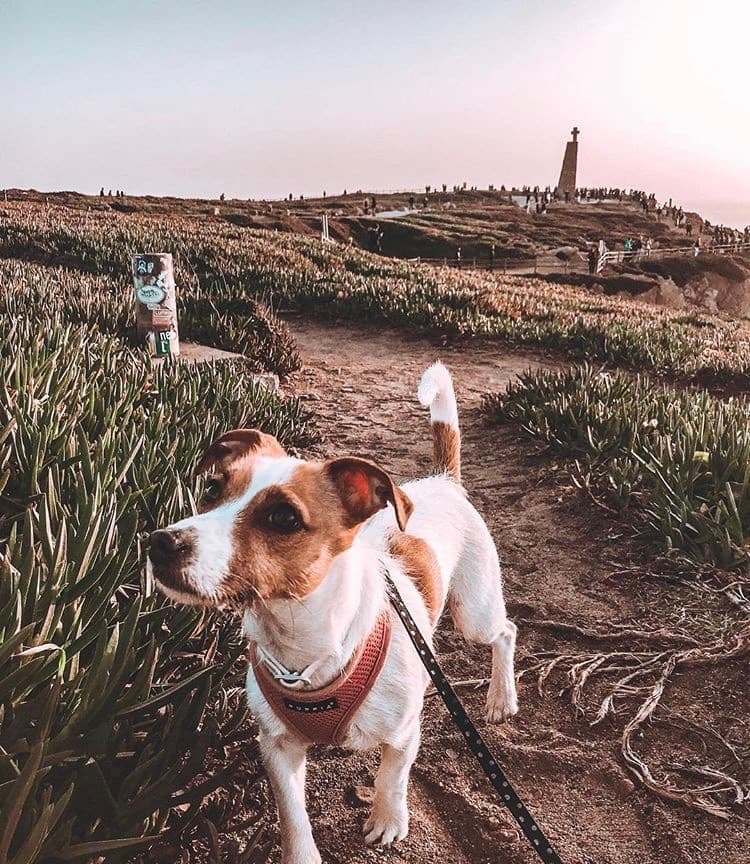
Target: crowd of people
point(721, 235)
point(536, 199)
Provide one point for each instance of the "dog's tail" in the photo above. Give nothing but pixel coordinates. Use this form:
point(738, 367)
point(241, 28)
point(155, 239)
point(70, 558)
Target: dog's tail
point(436, 393)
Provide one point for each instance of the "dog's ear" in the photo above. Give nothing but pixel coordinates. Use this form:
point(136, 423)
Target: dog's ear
point(365, 488)
point(237, 444)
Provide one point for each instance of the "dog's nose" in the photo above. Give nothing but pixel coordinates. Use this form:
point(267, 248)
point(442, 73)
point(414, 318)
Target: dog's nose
point(166, 545)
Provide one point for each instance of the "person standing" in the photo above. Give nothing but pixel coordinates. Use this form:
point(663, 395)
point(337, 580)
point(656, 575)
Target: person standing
point(593, 260)
point(375, 237)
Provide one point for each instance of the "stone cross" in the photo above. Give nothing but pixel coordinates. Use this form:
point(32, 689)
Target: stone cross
point(575, 132)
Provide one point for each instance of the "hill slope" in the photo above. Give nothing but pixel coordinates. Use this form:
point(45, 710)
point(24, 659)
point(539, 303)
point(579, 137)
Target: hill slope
point(434, 227)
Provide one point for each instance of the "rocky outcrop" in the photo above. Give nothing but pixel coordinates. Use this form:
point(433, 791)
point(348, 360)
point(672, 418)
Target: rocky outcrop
point(713, 283)
point(710, 291)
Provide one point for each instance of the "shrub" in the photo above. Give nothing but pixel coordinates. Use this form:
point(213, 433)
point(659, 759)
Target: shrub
point(208, 311)
point(105, 688)
point(681, 460)
point(329, 280)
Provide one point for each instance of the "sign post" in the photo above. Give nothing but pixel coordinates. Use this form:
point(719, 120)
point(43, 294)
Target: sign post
point(156, 303)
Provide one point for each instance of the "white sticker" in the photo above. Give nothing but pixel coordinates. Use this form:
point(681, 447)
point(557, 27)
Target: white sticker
point(150, 294)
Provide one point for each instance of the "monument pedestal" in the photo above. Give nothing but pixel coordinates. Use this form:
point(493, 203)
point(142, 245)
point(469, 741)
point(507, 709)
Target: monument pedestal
point(567, 182)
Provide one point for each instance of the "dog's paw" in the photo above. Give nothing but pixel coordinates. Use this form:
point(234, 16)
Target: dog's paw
point(387, 824)
point(501, 706)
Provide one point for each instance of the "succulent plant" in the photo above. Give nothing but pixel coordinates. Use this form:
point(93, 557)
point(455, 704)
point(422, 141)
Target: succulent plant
point(679, 459)
point(110, 697)
point(224, 271)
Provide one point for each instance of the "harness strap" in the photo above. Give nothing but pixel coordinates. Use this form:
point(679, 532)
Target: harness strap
point(322, 716)
point(478, 746)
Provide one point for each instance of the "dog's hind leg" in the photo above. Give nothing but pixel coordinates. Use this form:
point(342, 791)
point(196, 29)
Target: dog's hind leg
point(478, 610)
point(502, 699)
point(389, 818)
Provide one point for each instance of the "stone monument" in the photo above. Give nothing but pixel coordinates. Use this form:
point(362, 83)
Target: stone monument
point(567, 182)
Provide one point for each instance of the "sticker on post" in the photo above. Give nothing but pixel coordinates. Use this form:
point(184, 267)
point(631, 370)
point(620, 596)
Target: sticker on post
point(163, 342)
point(150, 295)
point(143, 267)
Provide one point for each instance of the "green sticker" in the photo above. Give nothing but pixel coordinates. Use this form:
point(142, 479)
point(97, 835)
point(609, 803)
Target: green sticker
point(163, 342)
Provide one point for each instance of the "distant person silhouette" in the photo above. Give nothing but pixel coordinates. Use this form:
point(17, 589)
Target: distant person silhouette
point(593, 260)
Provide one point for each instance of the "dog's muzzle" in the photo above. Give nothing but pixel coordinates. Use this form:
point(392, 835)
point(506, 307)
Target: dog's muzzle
point(169, 552)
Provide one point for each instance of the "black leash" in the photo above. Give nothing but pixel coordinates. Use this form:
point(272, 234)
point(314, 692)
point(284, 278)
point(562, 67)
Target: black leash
point(477, 744)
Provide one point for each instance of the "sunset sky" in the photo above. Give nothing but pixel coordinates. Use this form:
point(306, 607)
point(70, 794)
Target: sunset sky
point(261, 99)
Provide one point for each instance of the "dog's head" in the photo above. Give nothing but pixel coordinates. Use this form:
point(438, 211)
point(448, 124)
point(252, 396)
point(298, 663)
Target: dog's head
point(269, 525)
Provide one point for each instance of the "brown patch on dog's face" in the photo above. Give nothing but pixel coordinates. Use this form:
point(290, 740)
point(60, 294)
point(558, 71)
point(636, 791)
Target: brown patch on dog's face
point(421, 566)
point(229, 463)
point(286, 537)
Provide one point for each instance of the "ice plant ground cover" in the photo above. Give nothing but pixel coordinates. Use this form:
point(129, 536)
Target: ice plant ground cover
point(112, 701)
point(679, 460)
point(117, 713)
point(676, 465)
point(221, 268)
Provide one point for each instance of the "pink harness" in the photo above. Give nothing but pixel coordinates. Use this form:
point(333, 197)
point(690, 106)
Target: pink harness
point(322, 716)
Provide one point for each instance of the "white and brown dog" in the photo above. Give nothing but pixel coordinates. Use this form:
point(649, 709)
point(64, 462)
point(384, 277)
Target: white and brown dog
point(301, 548)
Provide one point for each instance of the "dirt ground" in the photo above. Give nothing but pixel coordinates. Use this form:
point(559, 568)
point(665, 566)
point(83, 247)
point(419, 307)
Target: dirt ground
point(563, 561)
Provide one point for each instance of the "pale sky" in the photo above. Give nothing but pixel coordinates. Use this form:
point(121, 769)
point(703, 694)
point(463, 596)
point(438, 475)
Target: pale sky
point(258, 99)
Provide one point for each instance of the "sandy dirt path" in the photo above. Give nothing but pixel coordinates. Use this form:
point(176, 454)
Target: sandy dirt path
point(559, 554)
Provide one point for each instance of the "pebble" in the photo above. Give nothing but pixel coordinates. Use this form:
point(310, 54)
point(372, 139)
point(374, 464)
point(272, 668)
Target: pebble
point(360, 796)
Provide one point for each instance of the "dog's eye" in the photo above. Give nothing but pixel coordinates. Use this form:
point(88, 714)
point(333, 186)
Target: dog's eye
point(211, 490)
point(284, 518)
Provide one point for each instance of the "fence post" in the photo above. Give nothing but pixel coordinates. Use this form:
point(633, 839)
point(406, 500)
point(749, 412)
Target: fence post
point(156, 303)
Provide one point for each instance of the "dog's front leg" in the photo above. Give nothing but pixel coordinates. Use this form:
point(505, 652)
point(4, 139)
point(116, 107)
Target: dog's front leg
point(389, 819)
point(284, 759)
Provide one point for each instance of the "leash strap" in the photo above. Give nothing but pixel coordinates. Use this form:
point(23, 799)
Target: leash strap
point(477, 744)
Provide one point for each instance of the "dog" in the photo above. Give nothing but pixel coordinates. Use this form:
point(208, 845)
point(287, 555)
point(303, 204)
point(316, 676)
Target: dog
point(301, 548)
